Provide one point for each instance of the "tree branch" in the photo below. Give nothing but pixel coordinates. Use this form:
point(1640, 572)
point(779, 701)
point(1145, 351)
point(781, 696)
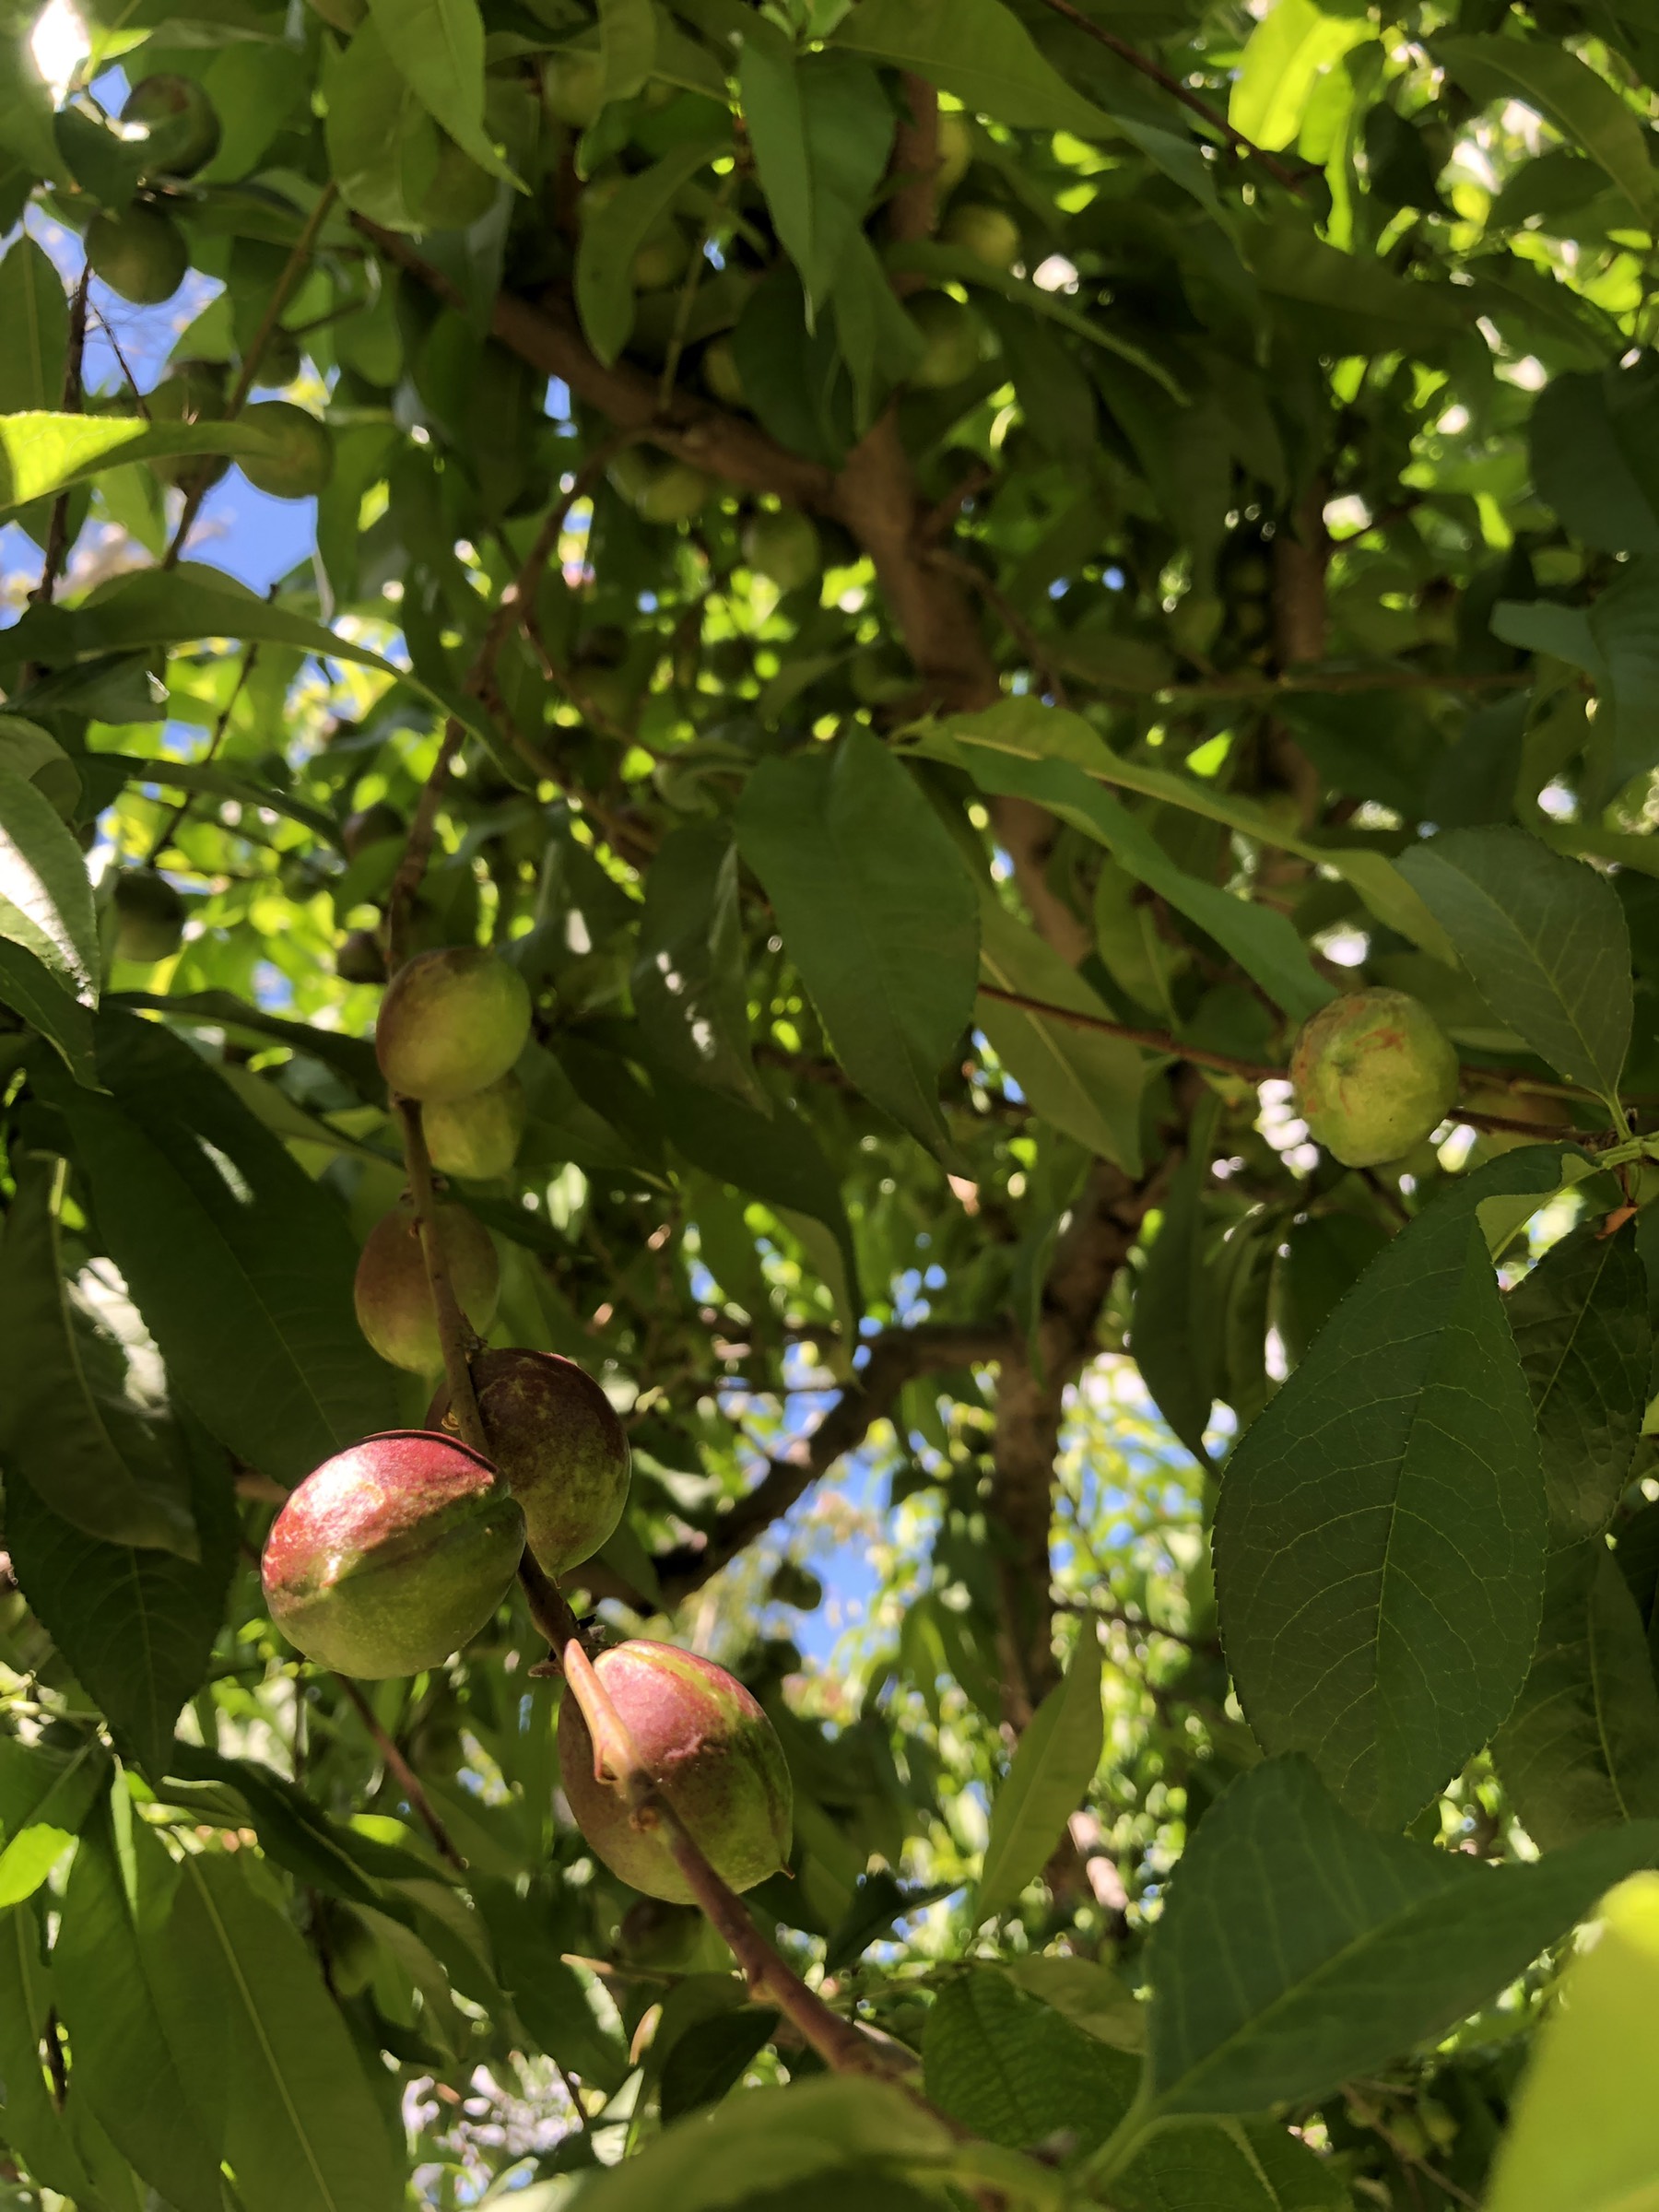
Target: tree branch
point(408, 1781)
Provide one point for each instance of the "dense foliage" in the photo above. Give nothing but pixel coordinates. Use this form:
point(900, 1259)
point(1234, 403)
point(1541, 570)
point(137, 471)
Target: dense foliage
point(937, 581)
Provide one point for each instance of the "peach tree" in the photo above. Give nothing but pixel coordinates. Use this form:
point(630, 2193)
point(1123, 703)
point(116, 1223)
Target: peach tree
point(826, 1299)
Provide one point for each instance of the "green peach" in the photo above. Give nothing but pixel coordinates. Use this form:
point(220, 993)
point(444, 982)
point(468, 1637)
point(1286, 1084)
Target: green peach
point(452, 1021)
point(552, 1433)
point(392, 1555)
point(394, 1298)
point(990, 234)
point(712, 1751)
point(953, 340)
point(181, 123)
point(141, 254)
point(478, 1136)
point(783, 547)
point(149, 916)
point(303, 463)
point(1373, 1074)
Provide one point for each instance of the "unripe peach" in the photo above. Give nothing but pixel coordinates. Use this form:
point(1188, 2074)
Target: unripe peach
point(953, 340)
point(783, 547)
point(392, 1555)
point(955, 150)
point(478, 1136)
point(303, 462)
point(451, 1022)
point(990, 234)
point(149, 916)
point(140, 254)
point(712, 1751)
point(359, 958)
point(394, 1298)
point(1373, 1073)
point(180, 122)
point(553, 1434)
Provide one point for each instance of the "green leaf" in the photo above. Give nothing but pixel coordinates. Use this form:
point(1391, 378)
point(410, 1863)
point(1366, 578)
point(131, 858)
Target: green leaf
point(29, 988)
point(1015, 2070)
point(437, 47)
point(1616, 640)
point(135, 1626)
point(1544, 940)
point(224, 783)
point(821, 131)
point(1230, 2166)
point(1175, 1325)
point(876, 911)
point(1049, 1780)
point(613, 233)
point(45, 899)
point(1567, 92)
point(1381, 1535)
point(53, 1434)
point(978, 49)
point(628, 46)
point(1595, 455)
point(1287, 53)
point(34, 316)
point(690, 990)
point(1087, 1084)
point(382, 143)
point(1584, 2130)
point(34, 2127)
point(248, 2007)
point(1580, 1325)
point(1298, 1949)
point(41, 454)
point(241, 1266)
point(1580, 1750)
point(711, 2058)
point(45, 1795)
point(114, 1915)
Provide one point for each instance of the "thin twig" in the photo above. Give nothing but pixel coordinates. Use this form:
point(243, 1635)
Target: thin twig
point(1177, 91)
point(278, 300)
point(170, 828)
point(408, 1781)
point(687, 293)
point(57, 529)
point(139, 399)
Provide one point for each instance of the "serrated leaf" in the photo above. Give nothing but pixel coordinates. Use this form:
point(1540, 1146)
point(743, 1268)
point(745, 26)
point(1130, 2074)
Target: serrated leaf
point(690, 992)
point(1053, 1768)
point(43, 454)
point(876, 911)
point(1544, 940)
point(1381, 1535)
point(45, 899)
point(1297, 1948)
point(1580, 1750)
point(135, 1626)
point(1580, 1325)
point(1012, 2069)
point(1087, 1084)
point(1230, 2166)
point(241, 1265)
point(1585, 2129)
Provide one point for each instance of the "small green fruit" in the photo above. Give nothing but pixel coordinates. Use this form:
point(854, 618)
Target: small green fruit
point(359, 958)
point(462, 192)
point(552, 1433)
point(451, 1022)
point(953, 339)
point(141, 254)
point(1373, 1073)
point(990, 234)
point(660, 489)
point(668, 1939)
point(181, 123)
point(303, 463)
point(393, 1298)
point(711, 1749)
point(280, 362)
point(721, 374)
point(392, 1555)
point(478, 1136)
point(149, 917)
point(192, 392)
point(373, 825)
point(573, 86)
point(662, 260)
point(783, 547)
point(955, 150)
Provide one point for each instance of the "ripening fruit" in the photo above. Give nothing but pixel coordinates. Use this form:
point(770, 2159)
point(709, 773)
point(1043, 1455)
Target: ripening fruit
point(191, 392)
point(478, 1136)
point(149, 916)
point(952, 340)
point(372, 826)
point(182, 122)
point(392, 1555)
point(662, 259)
point(303, 463)
point(1373, 1073)
point(460, 193)
point(141, 254)
point(451, 1022)
point(552, 1433)
point(280, 362)
point(783, 546)
point(711, 1750)
point(573, 86)
point(721, 374)
point(956, 150)
point(393, 1298)
point(359, 958)
point(660, 489)
point(990, 234)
